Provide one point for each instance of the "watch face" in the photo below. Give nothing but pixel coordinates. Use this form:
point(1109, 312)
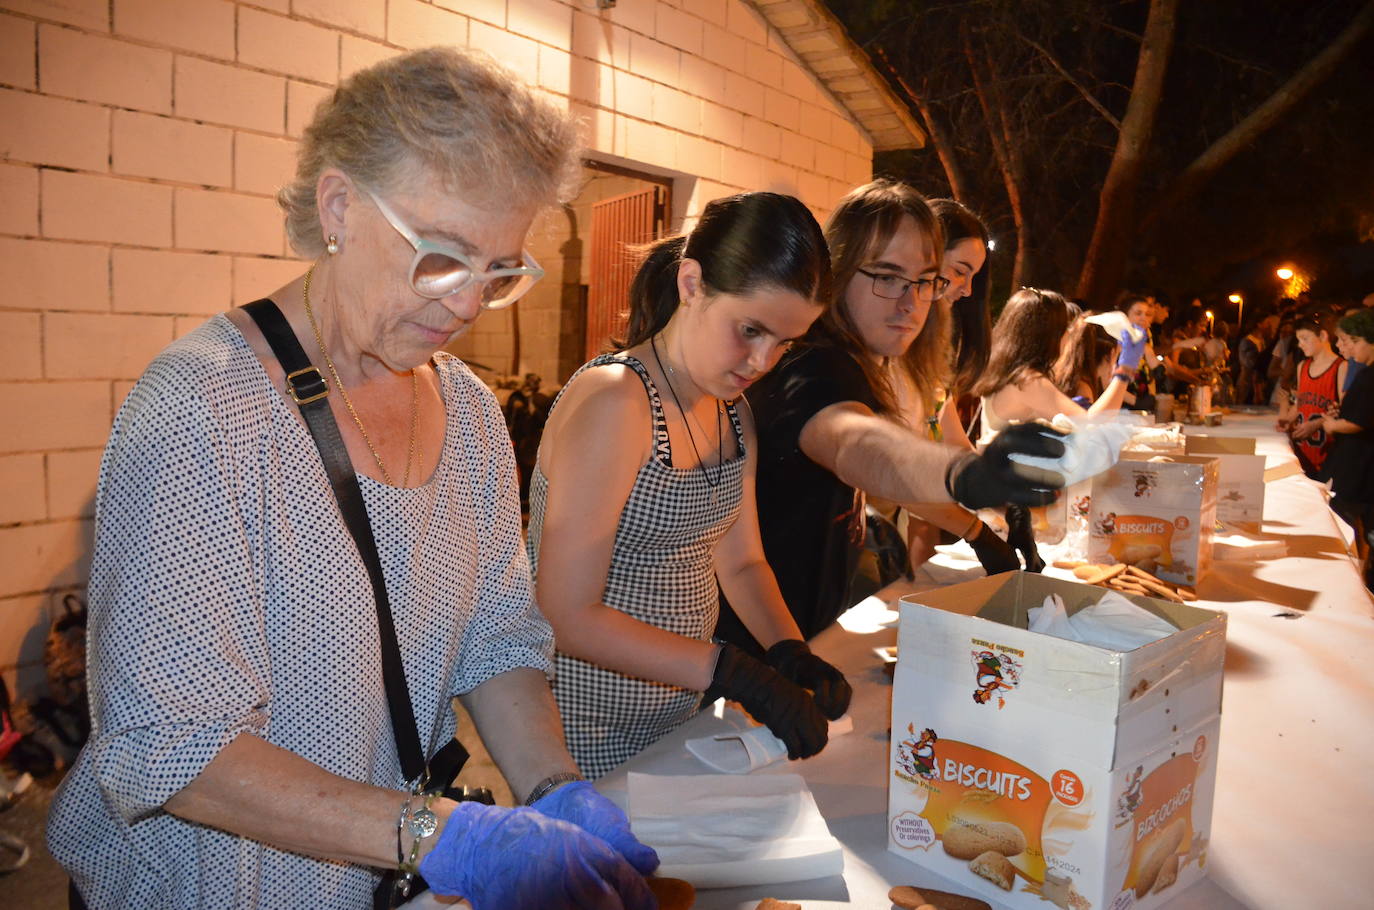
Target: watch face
point(423, 823)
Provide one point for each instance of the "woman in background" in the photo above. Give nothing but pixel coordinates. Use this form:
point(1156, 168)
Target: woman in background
point(1030, 357)
point(1085, 370)
point(1027, 341)
point(964, 303)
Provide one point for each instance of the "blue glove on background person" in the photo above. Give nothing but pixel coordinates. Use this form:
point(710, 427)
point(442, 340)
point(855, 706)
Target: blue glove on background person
point(1131, 351)
point(579, 803)
point(500, 859)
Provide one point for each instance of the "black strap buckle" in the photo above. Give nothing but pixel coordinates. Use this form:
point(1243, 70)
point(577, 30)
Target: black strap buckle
point(311, 387)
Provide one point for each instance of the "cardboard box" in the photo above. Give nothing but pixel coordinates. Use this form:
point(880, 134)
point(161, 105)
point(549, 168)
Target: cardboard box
point(1084, 775)
point(1240, 482)
point(1158, 515)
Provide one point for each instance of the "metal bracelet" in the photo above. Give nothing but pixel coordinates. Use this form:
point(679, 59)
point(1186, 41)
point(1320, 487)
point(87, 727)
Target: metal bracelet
point(550, 784)
point(421, 824)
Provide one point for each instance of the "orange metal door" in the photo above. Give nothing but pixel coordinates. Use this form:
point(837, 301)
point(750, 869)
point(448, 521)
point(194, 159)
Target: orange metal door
point(618, 224)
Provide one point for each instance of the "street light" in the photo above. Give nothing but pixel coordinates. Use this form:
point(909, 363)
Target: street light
point(1284, 273)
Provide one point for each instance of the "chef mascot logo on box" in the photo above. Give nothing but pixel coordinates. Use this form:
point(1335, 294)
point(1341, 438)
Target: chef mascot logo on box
point(993, 675)
point(916, 755)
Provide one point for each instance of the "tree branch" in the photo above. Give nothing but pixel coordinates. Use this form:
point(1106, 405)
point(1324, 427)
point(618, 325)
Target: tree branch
point(1068, 77)
point(1104, 265)
point(1284, 99)
point(939, 137)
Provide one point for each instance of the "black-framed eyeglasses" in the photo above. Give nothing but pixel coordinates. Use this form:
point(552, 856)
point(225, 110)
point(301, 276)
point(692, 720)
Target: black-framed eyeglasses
point(892, 287)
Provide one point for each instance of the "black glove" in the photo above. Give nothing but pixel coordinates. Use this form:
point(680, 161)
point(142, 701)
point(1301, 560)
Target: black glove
point(1021, 535)
point(993, 479)
point(788, 710)
point(995, 554)
point(794, 660)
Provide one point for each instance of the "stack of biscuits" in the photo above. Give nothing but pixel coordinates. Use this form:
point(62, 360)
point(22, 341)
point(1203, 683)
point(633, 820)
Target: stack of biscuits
point(1127, 579)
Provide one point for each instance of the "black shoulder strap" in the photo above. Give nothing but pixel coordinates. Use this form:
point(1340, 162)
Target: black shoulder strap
point(308, 388)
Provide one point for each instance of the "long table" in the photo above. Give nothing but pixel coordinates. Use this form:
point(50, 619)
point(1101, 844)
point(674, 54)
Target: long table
point(1291, 825)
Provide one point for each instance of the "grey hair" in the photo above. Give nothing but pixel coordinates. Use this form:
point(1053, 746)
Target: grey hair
point(453, 111)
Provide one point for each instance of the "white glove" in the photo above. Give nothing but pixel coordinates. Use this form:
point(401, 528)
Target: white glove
point(1091, 448)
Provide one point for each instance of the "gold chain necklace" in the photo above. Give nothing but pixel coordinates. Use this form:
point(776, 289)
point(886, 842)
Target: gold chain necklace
point(334, 374)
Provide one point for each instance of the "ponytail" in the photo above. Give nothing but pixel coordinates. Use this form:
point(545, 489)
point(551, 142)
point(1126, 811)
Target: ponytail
point(743, 243)
point(653, 293)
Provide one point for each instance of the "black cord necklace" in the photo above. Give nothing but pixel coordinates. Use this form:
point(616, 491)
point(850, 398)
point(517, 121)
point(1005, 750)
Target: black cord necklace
point(720, 434)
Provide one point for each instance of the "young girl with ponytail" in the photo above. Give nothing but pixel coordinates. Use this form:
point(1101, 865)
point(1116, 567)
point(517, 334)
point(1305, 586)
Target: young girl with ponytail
point(642, 500)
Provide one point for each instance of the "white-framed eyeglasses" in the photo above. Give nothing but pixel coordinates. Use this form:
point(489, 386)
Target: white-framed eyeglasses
point(439, 270)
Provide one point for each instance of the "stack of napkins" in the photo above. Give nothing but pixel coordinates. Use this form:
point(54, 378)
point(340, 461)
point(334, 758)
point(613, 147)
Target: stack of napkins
point(720, 831)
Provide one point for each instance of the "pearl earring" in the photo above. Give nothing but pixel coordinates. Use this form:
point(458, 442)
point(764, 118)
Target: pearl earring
point(332, 246)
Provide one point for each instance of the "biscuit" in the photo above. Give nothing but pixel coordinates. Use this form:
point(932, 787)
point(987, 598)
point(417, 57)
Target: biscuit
point(772, 903)
point(1165, 845)
point(968, 839)
point(1057, 889)
point(1168, 874)
point(994, 867)
point(909, 898)
point(672, 893)
point(1138, 553)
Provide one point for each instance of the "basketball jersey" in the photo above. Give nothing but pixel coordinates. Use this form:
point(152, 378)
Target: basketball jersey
point(1315, 395)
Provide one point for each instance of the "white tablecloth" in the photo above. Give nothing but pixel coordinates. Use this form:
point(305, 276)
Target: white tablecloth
point(1291, 821)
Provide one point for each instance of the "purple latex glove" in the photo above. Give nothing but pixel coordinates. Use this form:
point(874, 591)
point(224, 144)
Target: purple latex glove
point(579, 803)
point(1131, 351)
point(501, 858)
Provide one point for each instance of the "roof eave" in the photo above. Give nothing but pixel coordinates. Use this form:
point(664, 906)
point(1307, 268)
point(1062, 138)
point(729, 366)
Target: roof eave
point(821, 42)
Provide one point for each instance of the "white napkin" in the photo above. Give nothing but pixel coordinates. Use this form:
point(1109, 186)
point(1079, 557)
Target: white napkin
point(742, 751)
point(719, 831)
point(1090, 448)
point(1113, 623)
point(1164, 437)
point(1116, 322)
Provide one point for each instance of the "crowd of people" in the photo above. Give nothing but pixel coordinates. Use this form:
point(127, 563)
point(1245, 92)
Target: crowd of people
point(271, 676)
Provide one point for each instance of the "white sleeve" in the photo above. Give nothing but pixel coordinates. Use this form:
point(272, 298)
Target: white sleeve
point(178, 661)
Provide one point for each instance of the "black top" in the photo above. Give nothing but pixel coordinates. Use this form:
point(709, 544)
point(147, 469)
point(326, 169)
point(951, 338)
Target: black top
point(1351, 462)
point(811, 522)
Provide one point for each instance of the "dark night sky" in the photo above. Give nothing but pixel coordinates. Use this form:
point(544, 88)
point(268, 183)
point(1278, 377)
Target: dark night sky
point(1304, 191)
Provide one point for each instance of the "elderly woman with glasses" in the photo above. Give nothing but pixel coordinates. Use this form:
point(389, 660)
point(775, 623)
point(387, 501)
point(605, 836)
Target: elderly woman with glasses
point(851, 413)
point(245, 653)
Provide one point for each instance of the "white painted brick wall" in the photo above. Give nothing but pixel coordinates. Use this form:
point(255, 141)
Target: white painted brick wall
point(142, 141)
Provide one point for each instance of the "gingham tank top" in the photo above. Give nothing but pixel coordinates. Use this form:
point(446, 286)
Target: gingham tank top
point(661, 573)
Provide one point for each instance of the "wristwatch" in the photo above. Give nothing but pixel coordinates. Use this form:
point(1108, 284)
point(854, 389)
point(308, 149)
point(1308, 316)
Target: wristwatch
point(550, 784)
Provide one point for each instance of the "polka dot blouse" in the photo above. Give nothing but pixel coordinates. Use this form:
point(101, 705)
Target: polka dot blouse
point(227, 597)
